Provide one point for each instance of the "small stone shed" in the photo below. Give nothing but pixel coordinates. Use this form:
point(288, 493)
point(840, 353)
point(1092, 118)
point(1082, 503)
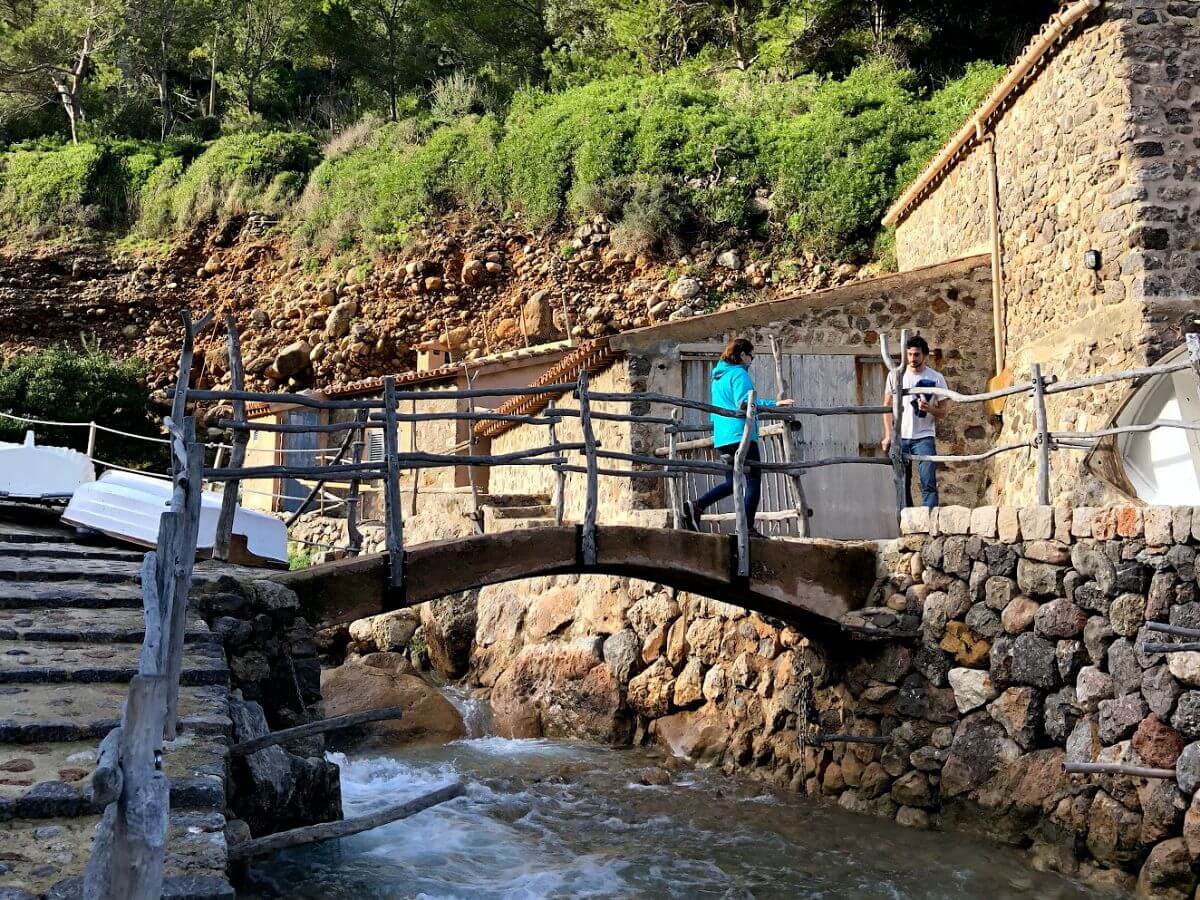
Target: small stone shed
point(1080, 177)
point(517, 368)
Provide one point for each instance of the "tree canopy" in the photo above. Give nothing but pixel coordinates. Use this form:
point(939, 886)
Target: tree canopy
point(184, 68)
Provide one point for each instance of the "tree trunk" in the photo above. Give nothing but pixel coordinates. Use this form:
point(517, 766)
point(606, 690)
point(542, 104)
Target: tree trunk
point(212, 77)
point(70, 104)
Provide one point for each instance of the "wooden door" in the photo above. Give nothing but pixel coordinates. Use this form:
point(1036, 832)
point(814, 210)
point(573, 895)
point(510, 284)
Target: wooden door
point(292, 491)
point(848, 501)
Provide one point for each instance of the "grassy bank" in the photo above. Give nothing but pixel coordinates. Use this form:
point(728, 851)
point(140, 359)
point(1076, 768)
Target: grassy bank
point(812, 162)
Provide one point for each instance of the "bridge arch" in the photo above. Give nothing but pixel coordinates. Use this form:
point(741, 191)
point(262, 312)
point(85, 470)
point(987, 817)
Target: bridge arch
point(810, 581)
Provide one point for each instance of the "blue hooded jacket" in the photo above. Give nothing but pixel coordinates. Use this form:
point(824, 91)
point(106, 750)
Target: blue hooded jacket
point(730, 384)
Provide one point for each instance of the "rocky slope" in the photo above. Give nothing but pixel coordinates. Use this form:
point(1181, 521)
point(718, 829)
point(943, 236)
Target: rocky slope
point(482, 286)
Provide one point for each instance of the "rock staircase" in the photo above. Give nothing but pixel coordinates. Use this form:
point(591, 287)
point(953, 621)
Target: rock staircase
point(70, 635)
point(513, 511)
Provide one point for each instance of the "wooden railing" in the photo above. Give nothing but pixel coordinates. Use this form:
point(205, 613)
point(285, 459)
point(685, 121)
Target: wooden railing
point(127, 861)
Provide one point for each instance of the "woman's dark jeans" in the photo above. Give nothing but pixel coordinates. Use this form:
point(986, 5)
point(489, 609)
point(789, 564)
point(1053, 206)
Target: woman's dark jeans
point(725, 489)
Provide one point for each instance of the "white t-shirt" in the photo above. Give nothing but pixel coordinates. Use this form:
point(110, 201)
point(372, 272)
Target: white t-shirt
point(913, 423)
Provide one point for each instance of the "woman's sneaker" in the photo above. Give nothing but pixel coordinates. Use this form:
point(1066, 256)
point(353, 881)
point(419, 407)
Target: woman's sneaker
point(691, 518)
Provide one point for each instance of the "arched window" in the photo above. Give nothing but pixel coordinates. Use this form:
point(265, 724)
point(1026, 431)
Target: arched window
point(1163, 465)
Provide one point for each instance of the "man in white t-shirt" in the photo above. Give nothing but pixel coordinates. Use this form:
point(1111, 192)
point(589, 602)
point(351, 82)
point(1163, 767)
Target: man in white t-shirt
point(918, 423)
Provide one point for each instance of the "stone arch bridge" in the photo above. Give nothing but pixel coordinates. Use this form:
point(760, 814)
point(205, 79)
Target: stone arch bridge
point(813, 582)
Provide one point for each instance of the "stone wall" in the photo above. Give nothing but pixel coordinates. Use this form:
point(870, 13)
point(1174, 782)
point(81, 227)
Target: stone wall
point(1028, 628)
point(1096, 153)
point(275, 683)
point(1040, 615)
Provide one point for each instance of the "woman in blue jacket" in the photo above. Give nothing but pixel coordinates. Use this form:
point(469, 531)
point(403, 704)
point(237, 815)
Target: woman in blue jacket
point(731, 384)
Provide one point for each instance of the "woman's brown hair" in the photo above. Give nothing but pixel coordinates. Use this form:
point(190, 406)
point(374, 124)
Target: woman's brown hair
point(735, 350)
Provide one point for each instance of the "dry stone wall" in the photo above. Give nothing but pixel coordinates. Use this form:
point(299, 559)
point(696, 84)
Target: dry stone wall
point(1026, 651)
point(1037, 618)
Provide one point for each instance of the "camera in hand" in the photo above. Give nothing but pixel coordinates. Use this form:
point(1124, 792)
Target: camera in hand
point(924, 382)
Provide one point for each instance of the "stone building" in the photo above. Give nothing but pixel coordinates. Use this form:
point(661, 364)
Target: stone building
point(435, 372)
point(1078, 175)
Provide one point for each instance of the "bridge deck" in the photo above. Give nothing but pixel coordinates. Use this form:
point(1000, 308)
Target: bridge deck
point(808, 581)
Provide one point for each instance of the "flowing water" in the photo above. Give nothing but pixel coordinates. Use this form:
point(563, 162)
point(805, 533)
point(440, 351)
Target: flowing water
point(544, 818)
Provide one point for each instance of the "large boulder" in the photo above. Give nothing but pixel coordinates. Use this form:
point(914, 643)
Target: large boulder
point(449, 625)
point(340, 319)
point(561, 689)
point(537, 317)
point(291, 359)
point(386, 632)
point(701, 734)
point(276, 789)
point(356, 687)
point(979, 749)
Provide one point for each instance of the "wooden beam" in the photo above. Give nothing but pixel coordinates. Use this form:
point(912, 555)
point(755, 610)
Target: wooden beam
point(335, 723)
point(1043, 436)
point(740, 487)
point(592, 502)
point(311, 834)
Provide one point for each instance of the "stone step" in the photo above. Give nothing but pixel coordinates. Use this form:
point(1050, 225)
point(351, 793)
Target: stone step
point(47, 859)
point(508, 501)
point(50, 550)
point(520, 524)
point(520, 512)
point(47, 536)
point(41, 781)
point(44, 662)
point(39, 569)
point(32, 570)
point(71, 594)
point(43, 713)
point(81, 625)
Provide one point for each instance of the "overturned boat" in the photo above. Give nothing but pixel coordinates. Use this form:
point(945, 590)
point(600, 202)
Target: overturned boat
point(30, 472)
point(128, 506)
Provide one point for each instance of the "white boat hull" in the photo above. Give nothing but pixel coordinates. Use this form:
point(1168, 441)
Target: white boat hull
point(128, 507)
point(29, 472)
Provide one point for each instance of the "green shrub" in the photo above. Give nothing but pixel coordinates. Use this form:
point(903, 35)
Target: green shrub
point(654, 220)
point(89, 185)
point(80, 385)
point(841, 162)
point(260, 172)
point(373, 195)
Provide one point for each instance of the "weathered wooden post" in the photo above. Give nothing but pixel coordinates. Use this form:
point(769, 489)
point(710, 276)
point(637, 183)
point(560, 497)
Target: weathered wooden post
point(560, 476)
point(394, 515)
point(129, 849)
point(791, 455)
point(673, 497)
point(896, 451)
point(181, 554)
point(476, 512)
point(412, 448)
point(353, 535)
point(593, 488)
point(740, 488)
point(241, 437)
point(1039, 414)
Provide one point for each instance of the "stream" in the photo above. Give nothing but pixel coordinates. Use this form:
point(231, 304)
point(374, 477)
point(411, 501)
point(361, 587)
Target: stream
point(549, 818)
